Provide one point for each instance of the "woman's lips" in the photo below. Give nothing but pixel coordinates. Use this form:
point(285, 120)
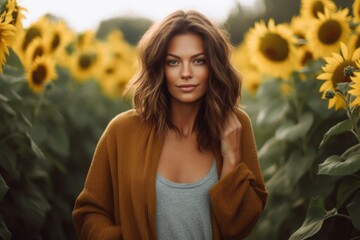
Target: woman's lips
point(187, 87)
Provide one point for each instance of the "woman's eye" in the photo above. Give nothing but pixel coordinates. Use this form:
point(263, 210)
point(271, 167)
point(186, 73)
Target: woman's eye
point(172, 62)
point(199, 61)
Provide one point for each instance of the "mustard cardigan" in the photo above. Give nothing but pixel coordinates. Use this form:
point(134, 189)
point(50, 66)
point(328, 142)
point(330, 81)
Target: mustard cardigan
point(119, 197)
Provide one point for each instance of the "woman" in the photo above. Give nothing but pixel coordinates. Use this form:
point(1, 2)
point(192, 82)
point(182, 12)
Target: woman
point(183, 163)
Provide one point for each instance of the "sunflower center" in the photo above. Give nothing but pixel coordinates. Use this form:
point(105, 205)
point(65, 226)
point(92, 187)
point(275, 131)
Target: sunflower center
point(117, 55)
point(39, 51)
point(330, 32)
point(39, 75)
point(30, 35)
point(109, 70)
point(274, 47)
point(317, 7)
point(339, 76)
point(85, 61)
point(55, 42)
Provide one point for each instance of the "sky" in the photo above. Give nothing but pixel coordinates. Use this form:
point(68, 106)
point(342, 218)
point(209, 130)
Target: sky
point(83, 15)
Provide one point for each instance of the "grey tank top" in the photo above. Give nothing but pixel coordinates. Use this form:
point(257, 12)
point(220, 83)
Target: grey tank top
point(183, 209)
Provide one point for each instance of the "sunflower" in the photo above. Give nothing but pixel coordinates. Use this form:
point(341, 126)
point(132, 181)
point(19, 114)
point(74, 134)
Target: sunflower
point(115, 77)
point(356, 10)
point(354, 40)
point(272, 48)
point(326, 33)
point(37, 48)
point(41, 72)
point(16, 13)
point(37, 29)
point(86, 62)
point(355, 89)
point(334, 73)
point(60, 36)
point(299, 26)
point(86, 39)
point(304, 56)
point(119, 47)
point(7, 36)
point(119, 65)
point(310, 9)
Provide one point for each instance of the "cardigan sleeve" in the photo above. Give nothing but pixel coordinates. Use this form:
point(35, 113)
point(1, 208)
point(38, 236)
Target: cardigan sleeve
point(238, 199)
point(94, 207)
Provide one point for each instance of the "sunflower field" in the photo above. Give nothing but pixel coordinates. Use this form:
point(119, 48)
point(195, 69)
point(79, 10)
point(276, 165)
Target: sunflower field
point(301, 87)
point(53, 109)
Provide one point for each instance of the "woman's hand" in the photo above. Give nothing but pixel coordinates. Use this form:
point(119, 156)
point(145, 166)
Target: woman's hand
point(230, 144)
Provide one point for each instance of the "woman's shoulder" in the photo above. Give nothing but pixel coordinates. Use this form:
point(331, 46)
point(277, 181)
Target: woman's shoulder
point(129, 119)
point(242, 115)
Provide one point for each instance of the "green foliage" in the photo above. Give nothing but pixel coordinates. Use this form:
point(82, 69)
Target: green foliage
point(46, 144)
point(339, 128)
point(314, 220)
point(338, 166)
point(310, 161)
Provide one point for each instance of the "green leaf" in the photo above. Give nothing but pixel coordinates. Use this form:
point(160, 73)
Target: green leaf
point(271, 112)
point(336, 166)
point(13, 66)
point(5, 234)
point(3, 188)
point(272, 107)
point(339, 128)
point(3, 98)
point(39, 133)
point(34, 147)
point(315, 217)
point(33, 206)
point(354, 210)
point(289, 174)
point(298, 165)
point(25, 120)
point(271, 152)
point(7, 108)
point(291, 132)
point(278, 183)
point(346, 189)
point(9, 162)
point(58, 141)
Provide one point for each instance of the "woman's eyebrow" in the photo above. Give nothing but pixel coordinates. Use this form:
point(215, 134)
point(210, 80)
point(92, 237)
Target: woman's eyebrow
point(176, 56)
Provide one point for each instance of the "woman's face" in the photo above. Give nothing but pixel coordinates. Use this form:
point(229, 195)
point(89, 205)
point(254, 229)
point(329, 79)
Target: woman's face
point(186, 70)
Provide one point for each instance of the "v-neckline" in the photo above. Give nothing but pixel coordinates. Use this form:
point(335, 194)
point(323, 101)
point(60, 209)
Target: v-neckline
point(152, 156)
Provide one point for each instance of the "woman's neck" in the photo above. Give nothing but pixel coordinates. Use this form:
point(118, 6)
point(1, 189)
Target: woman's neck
point(183, 116)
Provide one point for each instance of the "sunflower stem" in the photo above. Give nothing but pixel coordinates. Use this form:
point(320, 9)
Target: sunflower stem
point(39, 104)
point(356, 130)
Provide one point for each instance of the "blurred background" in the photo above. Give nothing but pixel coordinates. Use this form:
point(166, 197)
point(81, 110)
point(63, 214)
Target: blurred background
point(65, 64)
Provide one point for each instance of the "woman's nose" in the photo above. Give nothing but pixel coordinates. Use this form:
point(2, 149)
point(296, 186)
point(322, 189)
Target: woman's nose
point(186, 71)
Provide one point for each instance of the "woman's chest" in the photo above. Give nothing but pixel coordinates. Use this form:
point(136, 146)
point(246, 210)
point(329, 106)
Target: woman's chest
point(181, 161)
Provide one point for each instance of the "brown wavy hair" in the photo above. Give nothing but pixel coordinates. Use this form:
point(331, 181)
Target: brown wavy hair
point(151, 98)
